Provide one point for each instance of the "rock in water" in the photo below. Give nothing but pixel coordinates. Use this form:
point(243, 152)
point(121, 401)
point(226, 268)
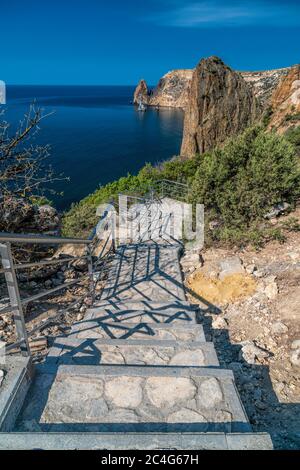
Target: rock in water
point(220, 104)
point(141, 93)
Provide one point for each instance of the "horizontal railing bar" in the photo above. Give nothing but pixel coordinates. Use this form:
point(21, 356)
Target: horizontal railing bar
point(16, 238)
point(6, 310)
point(172, 182)
point(15, 345)
point(47, 262)
point(5, 270)
point(33, 298)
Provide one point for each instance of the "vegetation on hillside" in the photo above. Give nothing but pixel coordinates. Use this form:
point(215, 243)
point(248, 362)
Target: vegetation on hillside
point(238, 184)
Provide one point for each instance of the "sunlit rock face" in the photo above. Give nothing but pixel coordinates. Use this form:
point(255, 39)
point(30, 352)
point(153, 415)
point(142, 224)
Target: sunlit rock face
point(220, 104)
point(285, 102)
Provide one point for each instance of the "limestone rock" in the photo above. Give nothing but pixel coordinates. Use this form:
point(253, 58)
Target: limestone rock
point(1, 376)
point(286, 102)
point(279, 328)
point(295, 344)
point(265, 82)
point(250, 352)
point(169, 391)
point(188, 358)
point(295, 357)
point(219, 324)
point(220, 104)
point(184, 415)
point(122, 415)
point(210, 393)
point(271, 290)
point(125, 392)
point(231, 265)
point(141, 93)
point(172, 89)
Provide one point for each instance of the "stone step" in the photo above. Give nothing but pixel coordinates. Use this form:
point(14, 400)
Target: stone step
point(145, 273)
point(80, 398)
point(132, 352)
point(144, 305)
point(172, 316)
point(116, 330)
point(135, 441)
point(153, 310)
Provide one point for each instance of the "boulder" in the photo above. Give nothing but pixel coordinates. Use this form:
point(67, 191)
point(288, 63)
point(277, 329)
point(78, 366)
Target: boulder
point(229, 266)
point(21, 216)
point(250, 352)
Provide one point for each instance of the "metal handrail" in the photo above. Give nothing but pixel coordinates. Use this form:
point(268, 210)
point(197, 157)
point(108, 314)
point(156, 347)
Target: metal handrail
point(10, 267)
point(40, 239)
point(44, 263)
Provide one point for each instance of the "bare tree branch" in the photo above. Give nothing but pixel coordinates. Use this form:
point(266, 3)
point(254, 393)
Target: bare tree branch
point(23, 172)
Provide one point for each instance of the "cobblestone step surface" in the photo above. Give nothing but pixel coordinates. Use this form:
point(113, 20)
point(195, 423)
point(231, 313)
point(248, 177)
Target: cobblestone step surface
point(134, 352)
point(110, 329)
point(133, 399)
point(145, 272)
point(166, 315)
point(136, 371)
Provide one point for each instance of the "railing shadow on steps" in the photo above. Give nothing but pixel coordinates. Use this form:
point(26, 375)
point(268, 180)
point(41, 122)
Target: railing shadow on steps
point(10, 269)
point(50, 368)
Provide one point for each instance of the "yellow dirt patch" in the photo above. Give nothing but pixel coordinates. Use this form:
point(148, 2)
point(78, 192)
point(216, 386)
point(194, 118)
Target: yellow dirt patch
point(229, 289)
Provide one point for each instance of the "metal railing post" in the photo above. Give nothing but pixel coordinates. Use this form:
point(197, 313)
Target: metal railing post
point(14, 297)
point(91, 274)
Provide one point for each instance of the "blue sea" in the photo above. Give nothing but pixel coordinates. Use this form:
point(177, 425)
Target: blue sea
point(96, 134)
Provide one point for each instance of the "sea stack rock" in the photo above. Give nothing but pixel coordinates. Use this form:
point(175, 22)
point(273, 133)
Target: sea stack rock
point(141, 93)
point(220, 104)
point(285, 102)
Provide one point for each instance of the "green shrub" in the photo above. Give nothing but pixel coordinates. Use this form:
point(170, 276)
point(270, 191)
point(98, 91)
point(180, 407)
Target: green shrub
point(293, 136)
point(292, 117)
point(240, 182)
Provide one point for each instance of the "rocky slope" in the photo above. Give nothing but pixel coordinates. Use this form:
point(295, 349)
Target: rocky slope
point(220, 104)
point(264, 83)
point(285, 102)
point(20, 216)
point(252, 315)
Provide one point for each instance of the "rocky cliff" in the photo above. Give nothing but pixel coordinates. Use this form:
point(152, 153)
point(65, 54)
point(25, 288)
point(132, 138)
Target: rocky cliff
point(220, 104)
point(285, 102)
point(172, 89)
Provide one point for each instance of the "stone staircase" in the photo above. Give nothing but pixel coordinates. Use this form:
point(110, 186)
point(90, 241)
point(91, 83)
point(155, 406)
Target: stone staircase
point(136, 372)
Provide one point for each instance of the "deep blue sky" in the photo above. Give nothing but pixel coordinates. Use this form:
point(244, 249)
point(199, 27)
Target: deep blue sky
point(121, 41)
